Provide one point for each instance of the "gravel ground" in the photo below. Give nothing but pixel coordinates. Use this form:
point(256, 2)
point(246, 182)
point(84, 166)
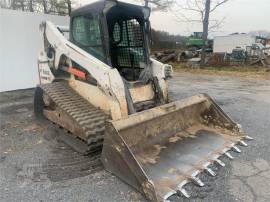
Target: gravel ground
point(34, 166)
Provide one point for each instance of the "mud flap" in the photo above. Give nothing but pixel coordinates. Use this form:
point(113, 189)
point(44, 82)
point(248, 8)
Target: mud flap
point(158, 151)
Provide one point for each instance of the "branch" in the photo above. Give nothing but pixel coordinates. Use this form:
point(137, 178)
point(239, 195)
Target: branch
point(199, 6)
point(184, 18)
point(159, 4)
point(217, 24)
point(195, 8)
point(218, 4)
point(189, 8)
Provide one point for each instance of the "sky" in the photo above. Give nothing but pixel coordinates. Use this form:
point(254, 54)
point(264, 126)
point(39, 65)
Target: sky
point(241, 16)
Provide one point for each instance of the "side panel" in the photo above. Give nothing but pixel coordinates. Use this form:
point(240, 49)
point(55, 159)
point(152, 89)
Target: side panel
point(142, 93)
point(159, 70)
point(97, 98)
point(44, 71)
point(119, 160)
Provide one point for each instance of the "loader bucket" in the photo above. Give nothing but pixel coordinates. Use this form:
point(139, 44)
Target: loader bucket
point(159, 150)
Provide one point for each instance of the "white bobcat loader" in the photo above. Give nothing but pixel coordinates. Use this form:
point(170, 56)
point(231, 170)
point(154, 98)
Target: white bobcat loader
point(103, 88)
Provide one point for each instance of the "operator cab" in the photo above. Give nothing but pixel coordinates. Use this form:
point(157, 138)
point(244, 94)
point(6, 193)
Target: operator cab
point(115, 33)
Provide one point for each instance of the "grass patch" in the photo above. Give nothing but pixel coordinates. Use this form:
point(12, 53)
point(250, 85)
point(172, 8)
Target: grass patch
point(240, 71)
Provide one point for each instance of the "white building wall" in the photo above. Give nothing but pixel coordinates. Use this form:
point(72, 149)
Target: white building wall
point(225, 44)
point(20, 41)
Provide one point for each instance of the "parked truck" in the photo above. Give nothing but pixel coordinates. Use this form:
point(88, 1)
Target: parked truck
point(226, 44)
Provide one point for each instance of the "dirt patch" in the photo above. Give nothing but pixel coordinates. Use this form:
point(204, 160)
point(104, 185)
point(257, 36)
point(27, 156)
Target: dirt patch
point(253, 72)
point(33, 128)
point(150, 155)
point(6, 97)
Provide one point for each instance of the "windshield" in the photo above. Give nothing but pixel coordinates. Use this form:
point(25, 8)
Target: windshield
point(86, 34)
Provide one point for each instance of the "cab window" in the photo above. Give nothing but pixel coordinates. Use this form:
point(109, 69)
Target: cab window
point(86, 34)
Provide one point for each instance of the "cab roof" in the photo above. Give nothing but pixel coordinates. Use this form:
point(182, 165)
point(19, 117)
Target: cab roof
point(99, 6)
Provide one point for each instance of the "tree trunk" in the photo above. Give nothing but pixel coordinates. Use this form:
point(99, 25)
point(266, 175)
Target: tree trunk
point(69, 7)
point(13, 3)
point(44, 6)
point(205, 31)
point(31, 6)
point(146, 3)
point(22, 5)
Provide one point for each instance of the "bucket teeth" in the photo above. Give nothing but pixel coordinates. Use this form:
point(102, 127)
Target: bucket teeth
point(184, 192)
point(236, 149)
point(220, 162)
point(249, 138)
point(243, 143)
point(210, 171)
point(229, 155)
point(197, 181)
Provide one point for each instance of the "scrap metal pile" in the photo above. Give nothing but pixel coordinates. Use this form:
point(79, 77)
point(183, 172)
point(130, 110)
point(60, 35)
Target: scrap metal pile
point(251, 56)
point(174, 55)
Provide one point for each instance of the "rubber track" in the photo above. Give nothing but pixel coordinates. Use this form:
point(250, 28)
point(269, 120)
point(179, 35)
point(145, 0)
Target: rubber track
point(89, 118)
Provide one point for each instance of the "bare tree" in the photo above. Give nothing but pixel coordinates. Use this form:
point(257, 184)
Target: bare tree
point(44, 5)
point(31, 6)
point(205, 30)
point(57, 7)
point(5, 3)
point(199, 11)
point(68, 2)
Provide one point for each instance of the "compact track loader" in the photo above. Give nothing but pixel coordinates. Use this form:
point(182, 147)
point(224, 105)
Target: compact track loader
point(102, 87)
